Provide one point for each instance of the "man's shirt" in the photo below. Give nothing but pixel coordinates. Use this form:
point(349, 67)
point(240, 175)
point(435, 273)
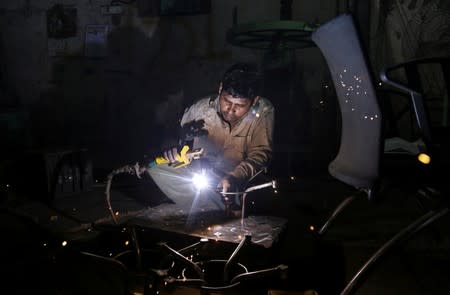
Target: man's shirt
point(240, 151)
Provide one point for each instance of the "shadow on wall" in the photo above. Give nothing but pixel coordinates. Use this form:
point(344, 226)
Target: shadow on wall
point(116, 106)
point(144, 95)
point(305, 127)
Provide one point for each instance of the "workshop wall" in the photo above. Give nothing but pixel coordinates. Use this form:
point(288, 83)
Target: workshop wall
point(83, 75)
point(114, 82)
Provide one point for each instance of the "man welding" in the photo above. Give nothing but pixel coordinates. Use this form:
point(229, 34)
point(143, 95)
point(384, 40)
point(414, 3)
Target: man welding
point(233, 131)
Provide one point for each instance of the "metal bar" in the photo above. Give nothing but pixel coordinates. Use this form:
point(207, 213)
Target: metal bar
point(260, 186)
point(336, 212)
point(417, 101)
point(137, 248)
point(233, 256)
point(193, 246)
point(404, 234)
point(243, 209)
point(184, 259)
point(184, 281)
point(258, 273)
point(107, 259)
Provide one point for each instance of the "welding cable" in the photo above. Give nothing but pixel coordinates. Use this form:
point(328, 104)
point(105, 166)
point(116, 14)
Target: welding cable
point(134, 170)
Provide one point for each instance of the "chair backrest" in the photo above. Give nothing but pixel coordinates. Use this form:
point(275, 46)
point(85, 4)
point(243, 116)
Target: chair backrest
point(357, 161)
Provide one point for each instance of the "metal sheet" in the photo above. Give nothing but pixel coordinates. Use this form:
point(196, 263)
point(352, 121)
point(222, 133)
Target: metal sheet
point(264, 230)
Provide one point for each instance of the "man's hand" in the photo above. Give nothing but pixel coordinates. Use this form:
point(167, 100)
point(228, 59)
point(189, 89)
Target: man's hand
point(171, 155)
point(228, 183)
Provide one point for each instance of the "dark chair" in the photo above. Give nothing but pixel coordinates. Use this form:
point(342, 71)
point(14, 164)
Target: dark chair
point(419, 100)
point(357, 162)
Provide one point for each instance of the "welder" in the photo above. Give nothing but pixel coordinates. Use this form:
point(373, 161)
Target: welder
point(233, 129)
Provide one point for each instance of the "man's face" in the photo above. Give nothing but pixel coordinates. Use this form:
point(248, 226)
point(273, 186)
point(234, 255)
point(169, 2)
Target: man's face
point(233, 108)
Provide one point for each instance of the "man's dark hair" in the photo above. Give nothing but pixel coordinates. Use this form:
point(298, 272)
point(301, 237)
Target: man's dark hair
point(242, 80)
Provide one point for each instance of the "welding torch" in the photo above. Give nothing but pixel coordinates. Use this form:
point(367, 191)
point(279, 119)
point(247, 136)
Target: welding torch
point(183, 158)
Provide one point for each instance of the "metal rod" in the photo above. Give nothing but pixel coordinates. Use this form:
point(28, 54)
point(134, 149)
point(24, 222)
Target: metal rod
point(137, 248)
point(107, 259)
point(336, 212)
point(226, 287)
point(233, 256)
point(404, 234)
point(271, 183)
point(260, 186)
point(252, 188)
point(193, 246)
point(184, 259)
point(186, 281)
point(417, 102)
point(243, 210)
point(258, 273)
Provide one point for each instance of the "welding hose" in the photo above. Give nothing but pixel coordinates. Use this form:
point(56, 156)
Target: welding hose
point(125, 169)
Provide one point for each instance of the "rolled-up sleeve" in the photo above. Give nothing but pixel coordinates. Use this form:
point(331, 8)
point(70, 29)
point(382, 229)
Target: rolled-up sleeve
point(259, 149)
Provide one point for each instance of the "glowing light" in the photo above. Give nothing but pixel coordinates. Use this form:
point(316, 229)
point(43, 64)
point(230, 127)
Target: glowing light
point(209, 228)
point(64, 243)
point(424, 158)
point(127, 243)
point(116, 213)
point(292, 177)
point(200, 181)
point(275, 191)
point(257, 115)
point(312, 228)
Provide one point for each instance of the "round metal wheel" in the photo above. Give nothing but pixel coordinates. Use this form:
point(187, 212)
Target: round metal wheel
point(284, 34)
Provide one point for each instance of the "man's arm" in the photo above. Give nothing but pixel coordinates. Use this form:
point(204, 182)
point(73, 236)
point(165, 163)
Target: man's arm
point(189, 127)
point(259, 149)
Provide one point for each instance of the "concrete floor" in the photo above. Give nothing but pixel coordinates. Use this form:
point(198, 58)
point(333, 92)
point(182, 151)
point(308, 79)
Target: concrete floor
point(36, 259)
